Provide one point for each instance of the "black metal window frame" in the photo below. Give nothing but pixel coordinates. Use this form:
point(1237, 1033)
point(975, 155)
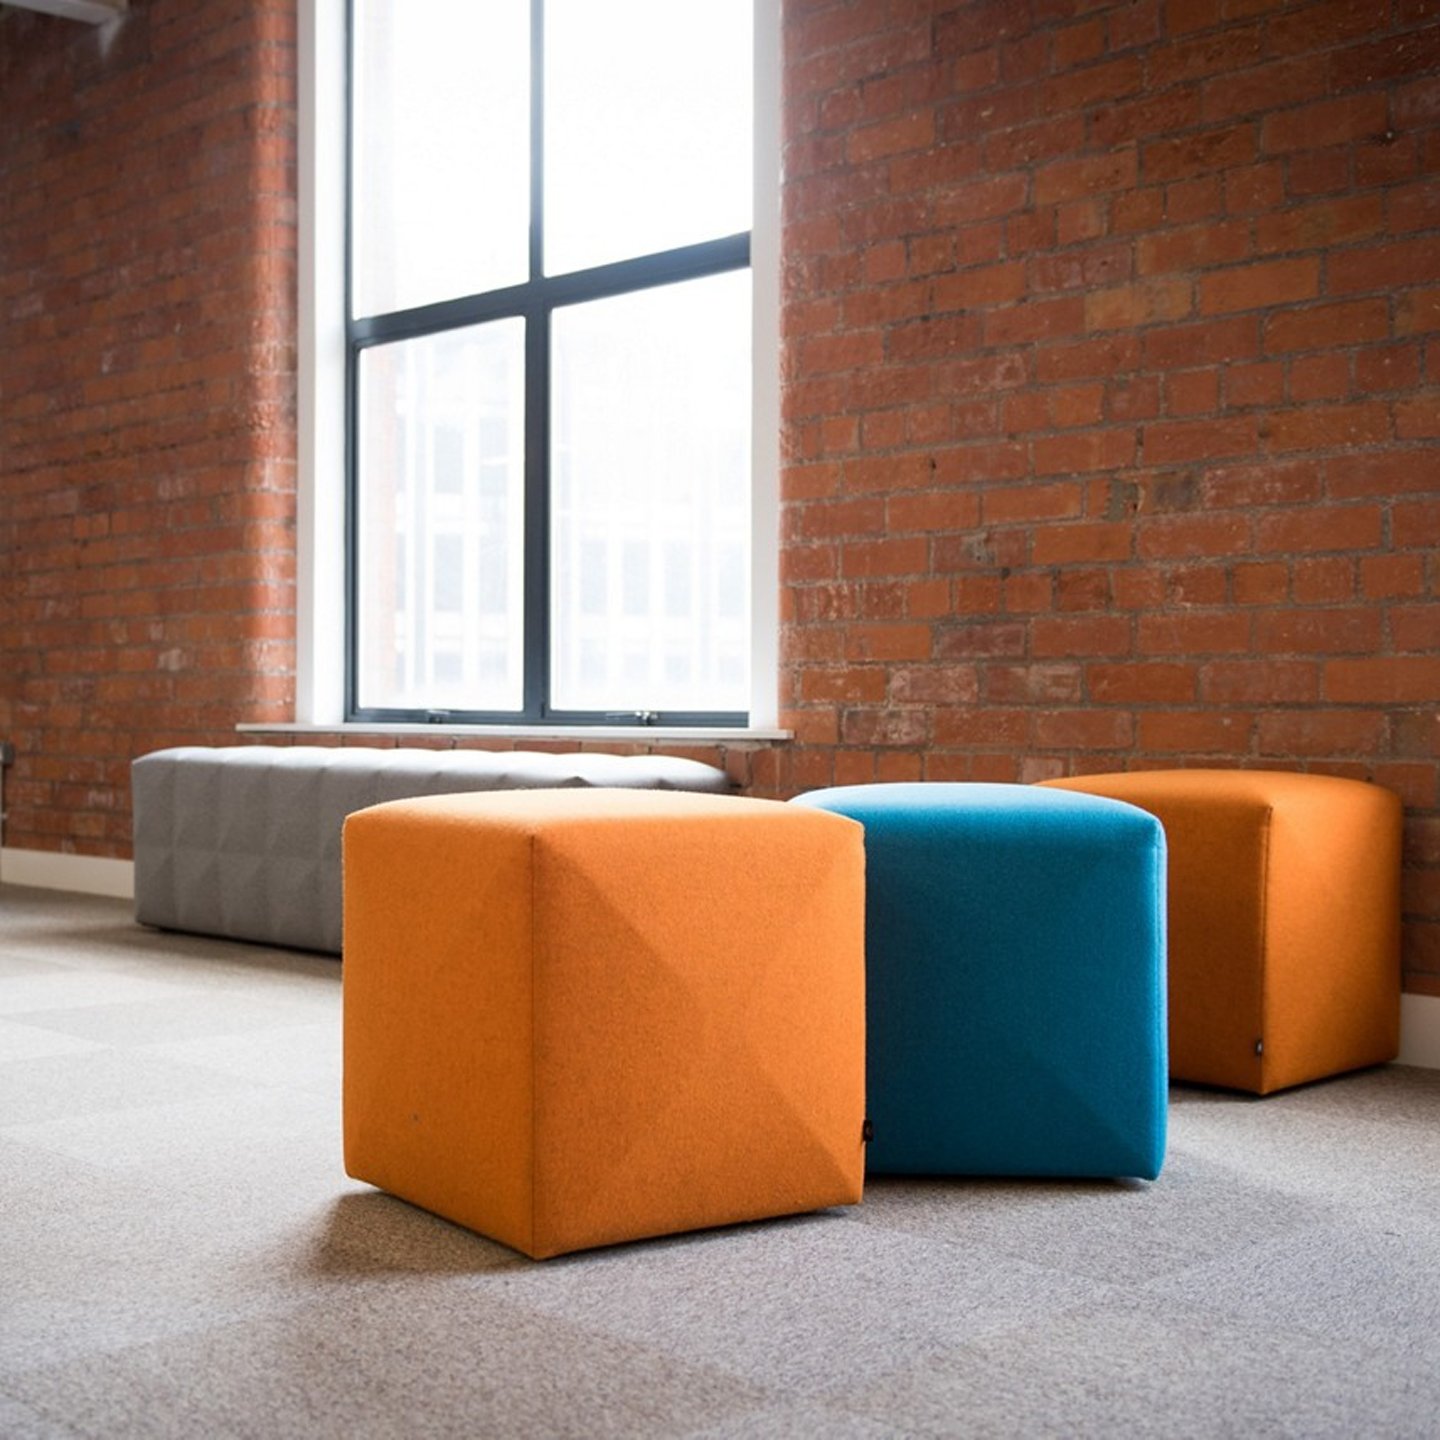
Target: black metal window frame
point(534, 301)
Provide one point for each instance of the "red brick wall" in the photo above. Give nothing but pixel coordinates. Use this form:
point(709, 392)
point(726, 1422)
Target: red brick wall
point(147, 212)
point(1112, 345)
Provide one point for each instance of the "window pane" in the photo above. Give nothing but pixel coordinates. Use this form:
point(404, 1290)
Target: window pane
point(441, 471)
point(650, 458)
point(442, 142)
point(647, 127)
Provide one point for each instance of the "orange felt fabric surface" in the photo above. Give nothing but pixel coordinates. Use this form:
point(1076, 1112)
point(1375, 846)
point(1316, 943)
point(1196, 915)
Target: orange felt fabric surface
point(1284, 921)
point(580, 1017)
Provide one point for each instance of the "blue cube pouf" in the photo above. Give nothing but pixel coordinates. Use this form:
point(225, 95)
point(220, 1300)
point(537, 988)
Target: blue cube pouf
point(1015, 980)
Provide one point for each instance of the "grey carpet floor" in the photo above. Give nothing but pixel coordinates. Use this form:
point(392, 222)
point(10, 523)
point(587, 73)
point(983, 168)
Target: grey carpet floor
point(181, 1255)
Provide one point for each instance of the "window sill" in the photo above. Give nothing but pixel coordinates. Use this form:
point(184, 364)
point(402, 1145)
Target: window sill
point(673, 735)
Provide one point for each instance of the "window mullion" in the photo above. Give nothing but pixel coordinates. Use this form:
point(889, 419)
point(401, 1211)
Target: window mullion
point(537, 140)
point(537, 401)
point(537, 511)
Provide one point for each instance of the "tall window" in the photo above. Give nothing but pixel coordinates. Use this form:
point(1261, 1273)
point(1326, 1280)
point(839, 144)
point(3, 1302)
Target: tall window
point(549, 369)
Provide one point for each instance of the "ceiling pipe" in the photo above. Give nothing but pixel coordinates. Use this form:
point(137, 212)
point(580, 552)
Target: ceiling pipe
point(92, 12)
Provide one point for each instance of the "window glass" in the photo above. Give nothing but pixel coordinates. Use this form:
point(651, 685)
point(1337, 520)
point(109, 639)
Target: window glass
point(440, 606)
point(442, 150)
point(650, 432)
point(505, 371)
point(648, 127)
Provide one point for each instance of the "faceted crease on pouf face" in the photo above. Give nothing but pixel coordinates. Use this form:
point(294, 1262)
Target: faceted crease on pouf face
point(578, 1017)
point(1015, 980)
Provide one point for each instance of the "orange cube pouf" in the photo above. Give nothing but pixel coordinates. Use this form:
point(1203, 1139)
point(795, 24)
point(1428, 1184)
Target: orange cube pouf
point(575, 1017)
point(1284, 921)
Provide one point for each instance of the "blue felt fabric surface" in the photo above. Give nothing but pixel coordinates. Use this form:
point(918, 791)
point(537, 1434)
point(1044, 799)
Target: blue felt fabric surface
point(1015, 958)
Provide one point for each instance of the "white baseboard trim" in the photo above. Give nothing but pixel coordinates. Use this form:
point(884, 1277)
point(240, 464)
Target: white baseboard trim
point(84, 874)
point(1420, 1031)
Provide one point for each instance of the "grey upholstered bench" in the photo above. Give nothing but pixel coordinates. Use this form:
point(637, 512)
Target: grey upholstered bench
point(244, 841)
